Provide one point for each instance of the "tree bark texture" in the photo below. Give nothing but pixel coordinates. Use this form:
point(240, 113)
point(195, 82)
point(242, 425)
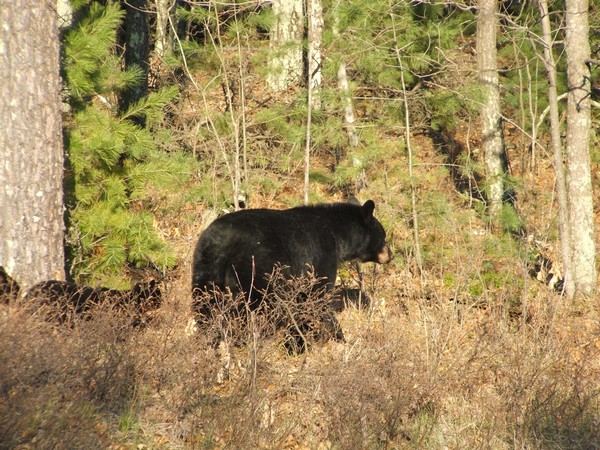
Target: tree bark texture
point(315, 39)
point(579, 182)
point(491, 119)
point(349, 116)
point(31, 175)
point(344, 88)
point(65, 13)
point(163, 43)
point(136, 48)
point(561, 190)
point(286, 65)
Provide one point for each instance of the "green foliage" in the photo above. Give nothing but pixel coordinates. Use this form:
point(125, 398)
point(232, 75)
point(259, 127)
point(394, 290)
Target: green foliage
point(117, 167)
point(90, 65)
point(492, 270)
point(210, 190)
point(449, 107)
point(522, 74)
point(283, 123)
point(360, 159)
point(384, 37)
point(510, 220)
point(263, 20)
point(386, 41)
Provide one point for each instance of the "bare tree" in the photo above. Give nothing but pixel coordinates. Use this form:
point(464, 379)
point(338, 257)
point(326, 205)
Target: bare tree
point(491, 118)
point(563, 216)
point(579, 182)
point(286, 65)
point(163, 42)
point(409, 150)
point(31, 175)
point(344, 87)
point(315, 39)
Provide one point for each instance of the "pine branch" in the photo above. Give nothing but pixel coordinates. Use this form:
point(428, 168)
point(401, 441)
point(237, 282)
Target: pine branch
point(151, 106)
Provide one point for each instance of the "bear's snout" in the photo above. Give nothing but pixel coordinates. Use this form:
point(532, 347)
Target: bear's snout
point(385, 255)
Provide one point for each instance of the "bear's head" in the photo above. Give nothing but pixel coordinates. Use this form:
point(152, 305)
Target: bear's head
point(378, 250)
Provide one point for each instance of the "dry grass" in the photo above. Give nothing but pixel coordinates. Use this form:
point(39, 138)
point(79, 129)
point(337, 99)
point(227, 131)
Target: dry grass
point(413, 373)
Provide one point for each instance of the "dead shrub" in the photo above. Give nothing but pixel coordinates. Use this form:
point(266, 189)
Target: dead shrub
point(413, 372)
point(59, 385)
point(301, 306)
point(202, 409)
point(546, 379)
point(67, 303)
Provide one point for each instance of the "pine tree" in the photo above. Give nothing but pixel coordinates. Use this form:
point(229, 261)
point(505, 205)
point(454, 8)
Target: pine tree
point(115, 164)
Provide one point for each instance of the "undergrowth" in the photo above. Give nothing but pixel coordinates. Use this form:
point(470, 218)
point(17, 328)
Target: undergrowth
point(415, 371)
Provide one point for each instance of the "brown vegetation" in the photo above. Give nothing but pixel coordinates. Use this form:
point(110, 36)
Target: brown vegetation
point(416, 371)
point(469, 353)
point(67, 302)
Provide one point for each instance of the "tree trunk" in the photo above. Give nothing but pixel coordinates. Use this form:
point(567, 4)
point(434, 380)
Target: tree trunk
point(286, 65)
point(31, 175)
point(315, 39)
point(136, 49)
point(163, 42)
point(64, 12)
point(344, 87)
point(563, 216)
point(491, 119)
point(579, 183)
point(349, 116)
point(313, 82)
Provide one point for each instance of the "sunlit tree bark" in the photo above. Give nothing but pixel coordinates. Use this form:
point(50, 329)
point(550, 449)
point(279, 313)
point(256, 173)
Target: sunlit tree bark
point(491, 119)
point(31, 151)
point(286, 65)
point(65, 13)
point(563, 215)
point(163, 44)
point(579, 184)
point(344, 88)
point(315, 38)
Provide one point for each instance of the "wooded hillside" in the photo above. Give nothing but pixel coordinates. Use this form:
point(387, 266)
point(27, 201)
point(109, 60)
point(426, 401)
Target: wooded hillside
point(474, 128)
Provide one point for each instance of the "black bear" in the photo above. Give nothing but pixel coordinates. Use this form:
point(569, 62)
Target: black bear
point(68, 301)
point(239, 251)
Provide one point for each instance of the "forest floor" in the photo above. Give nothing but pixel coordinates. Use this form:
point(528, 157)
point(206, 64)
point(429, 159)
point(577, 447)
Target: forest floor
point(467, 351)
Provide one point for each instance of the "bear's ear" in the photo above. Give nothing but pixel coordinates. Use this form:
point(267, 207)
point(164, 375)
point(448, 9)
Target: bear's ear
point(367, 209)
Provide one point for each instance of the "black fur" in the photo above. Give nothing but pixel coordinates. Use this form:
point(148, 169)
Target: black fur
point(238, 251)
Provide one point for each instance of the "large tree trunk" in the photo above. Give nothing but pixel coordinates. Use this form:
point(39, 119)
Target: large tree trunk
point(286, 65)
point(31, 175)
point(579, 184)
point(563, 215)
point(491, 119)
